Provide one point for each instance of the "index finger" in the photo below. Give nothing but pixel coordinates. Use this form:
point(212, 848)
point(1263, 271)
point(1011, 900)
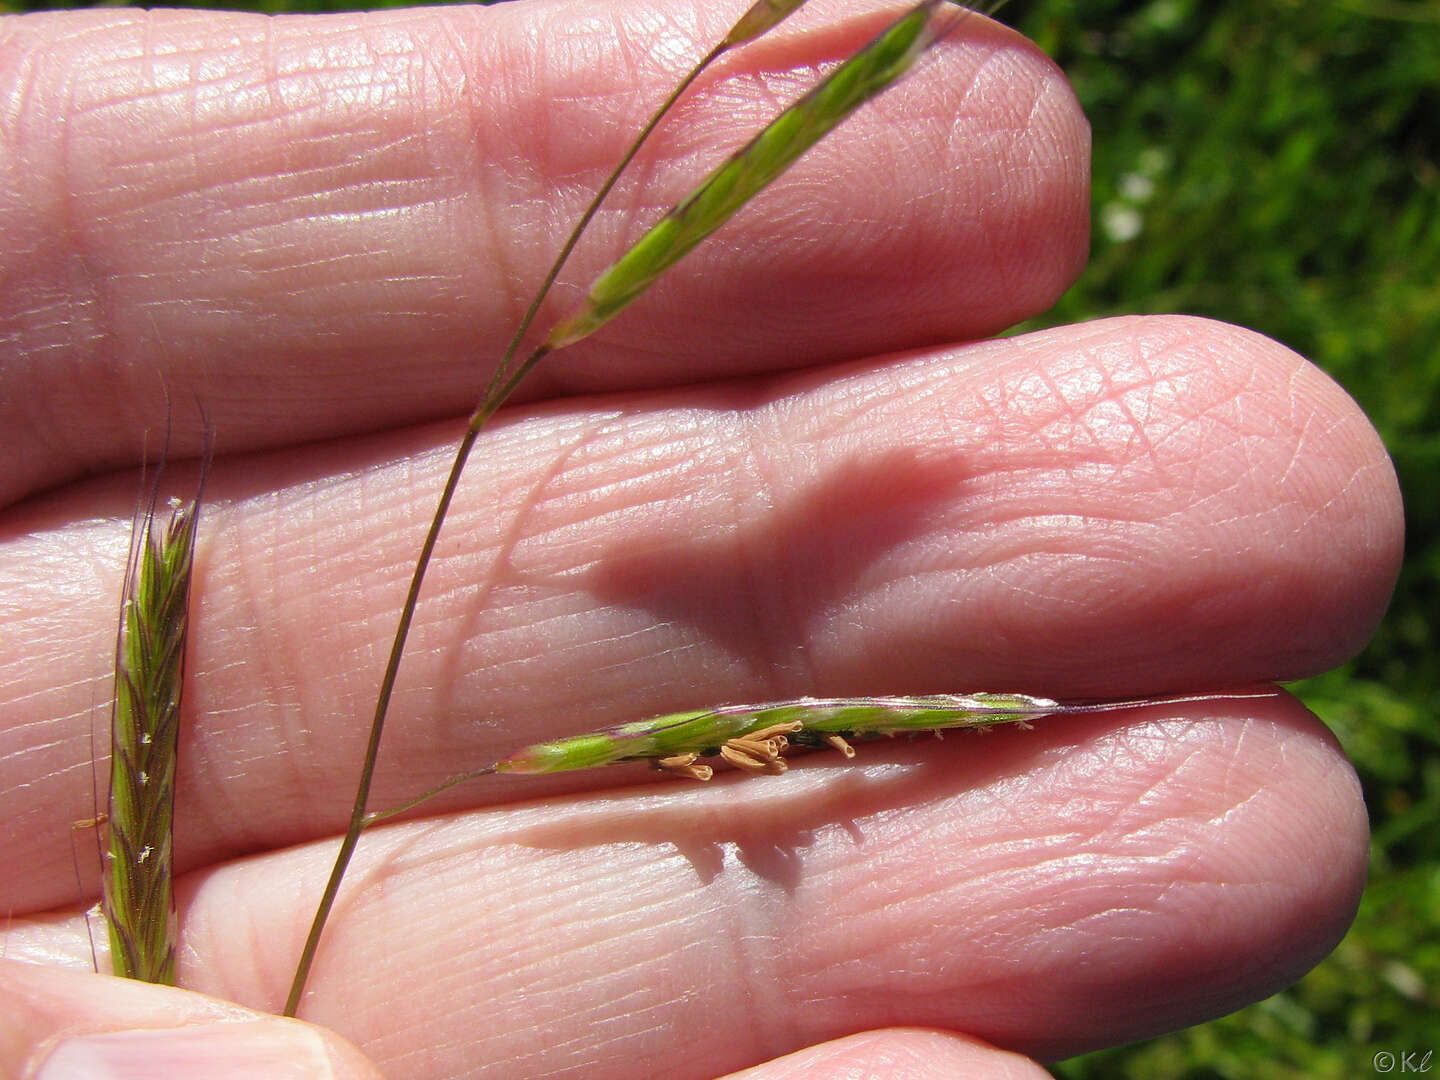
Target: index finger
point(325, 225)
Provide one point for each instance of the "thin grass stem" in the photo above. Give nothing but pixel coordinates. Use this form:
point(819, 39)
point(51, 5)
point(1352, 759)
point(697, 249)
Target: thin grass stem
point(719, 197)
point(761, 17)
point(439, 789)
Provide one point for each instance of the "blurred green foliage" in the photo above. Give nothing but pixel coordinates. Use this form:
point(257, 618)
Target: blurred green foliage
point(1276, 163)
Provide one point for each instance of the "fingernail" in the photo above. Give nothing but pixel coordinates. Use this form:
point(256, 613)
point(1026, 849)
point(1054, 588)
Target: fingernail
point(237, 1050)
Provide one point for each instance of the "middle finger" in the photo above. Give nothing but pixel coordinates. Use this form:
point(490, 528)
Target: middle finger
point(1064, 514)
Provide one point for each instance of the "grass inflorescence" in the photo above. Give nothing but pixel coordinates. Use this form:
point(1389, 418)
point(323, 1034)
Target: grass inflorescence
point(756, 737)
point(145, 727)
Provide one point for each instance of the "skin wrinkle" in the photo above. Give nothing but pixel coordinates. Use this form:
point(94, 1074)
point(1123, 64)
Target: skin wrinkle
point(586, 489)
point(1298, 464)
point(1059, 393)
point(205, 788)
point(399, 142)
point(772, 602)
point(1089, 416)
point(752, 908)
point(649, 187)
point(1015, 836)
point(977, 979)
point(88, 318)
point(618, 934)
point(270, 68)
point(1137, 433)
point(568, 124)
point(922, 210)
point(1003, 235)
point(510, 541)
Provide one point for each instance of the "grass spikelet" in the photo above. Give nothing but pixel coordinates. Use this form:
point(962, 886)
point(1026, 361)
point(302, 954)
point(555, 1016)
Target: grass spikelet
point(750, 170)
point(761, 18)
point(149, 672)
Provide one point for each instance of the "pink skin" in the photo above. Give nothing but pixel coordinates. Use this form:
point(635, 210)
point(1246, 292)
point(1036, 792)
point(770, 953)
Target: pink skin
point(779, 474)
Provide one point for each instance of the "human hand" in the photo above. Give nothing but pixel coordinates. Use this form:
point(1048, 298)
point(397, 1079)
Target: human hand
point(776, 475)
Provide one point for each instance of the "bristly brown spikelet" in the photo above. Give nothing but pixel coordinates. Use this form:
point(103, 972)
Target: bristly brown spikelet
point(149, 670)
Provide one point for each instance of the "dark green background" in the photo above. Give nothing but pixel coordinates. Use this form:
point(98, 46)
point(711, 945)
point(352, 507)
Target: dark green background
point(1281, 162)
point(1294, 153)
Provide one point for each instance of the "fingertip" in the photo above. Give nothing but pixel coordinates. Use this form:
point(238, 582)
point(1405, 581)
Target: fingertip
point(900, 1054)
point(69, 1025)
point(235, 1050)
